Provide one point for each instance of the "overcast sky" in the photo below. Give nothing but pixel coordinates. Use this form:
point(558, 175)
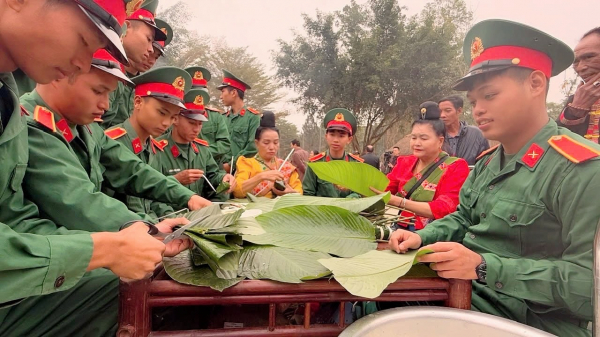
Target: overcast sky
point(258, 24)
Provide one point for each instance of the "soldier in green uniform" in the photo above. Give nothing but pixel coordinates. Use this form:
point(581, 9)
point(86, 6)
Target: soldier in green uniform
point(340, 125)
point(68, 152)
point(158, 46)
point(138, 40)
point(528, 211)
point(242, 121)
point(158, 98)
point(188, 158)
point(45, 288)
point(214, 131)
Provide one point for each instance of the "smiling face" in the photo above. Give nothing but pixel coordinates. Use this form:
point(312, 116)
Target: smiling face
point(59, 44)
point(587, 57)
point(86, 97)
point(153, 115)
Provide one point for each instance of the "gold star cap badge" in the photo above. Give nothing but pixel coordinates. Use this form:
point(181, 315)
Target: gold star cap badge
point(476, 48)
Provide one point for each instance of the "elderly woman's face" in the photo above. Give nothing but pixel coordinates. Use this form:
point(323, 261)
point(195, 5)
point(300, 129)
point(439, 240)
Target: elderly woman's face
point(268, 144)
point(424, 143)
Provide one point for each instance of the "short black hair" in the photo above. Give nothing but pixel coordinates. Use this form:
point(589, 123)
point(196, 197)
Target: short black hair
point(456, 101)
point(239, 92)
point(295, 142)
point(395, 147)
point(592, 31)
point(436, 124)
point(316, 151)
point(370, 148)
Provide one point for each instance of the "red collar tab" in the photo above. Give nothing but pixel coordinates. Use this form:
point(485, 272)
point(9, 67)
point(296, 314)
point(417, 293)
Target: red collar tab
point(63, 128)
point(234, 83)
point(519, 56)
point(44, 117)
point(175, 89)
point(195, 148)
point(175, 151)
point(577, 152)
point(137, 145)
point(533, 155)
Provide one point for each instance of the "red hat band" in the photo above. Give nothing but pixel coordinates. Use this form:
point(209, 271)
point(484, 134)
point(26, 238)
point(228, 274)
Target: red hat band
point(147, 89)
point(520, 56)
point(233, 83)
point(340, 123)
point(196, 107)
point(114, 7)
point(199, 83)
point(142, 14)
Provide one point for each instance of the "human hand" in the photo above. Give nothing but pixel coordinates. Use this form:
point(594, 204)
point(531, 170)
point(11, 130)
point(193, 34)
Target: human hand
point(178, 245)
point(452, 260)
point(401, 241)
point(587, 94)
point(228, 178)
point(271, 175)
point(187, 177)
point(196, 202)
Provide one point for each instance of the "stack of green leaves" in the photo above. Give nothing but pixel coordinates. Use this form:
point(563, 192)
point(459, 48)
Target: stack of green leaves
point(293, 239)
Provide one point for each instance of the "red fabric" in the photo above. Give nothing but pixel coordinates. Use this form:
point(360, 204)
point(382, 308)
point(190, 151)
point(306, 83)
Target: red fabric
point(161, 88)
point(445, 199)
point(114, 7)
point(528, 58)
point(233, 83)
point(201, 82)
point(144, 13)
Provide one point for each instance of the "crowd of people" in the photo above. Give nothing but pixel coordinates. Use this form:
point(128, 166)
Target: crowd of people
point(97, 144)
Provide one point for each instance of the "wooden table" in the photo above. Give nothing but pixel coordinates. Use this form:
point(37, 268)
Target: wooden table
point(138, 298)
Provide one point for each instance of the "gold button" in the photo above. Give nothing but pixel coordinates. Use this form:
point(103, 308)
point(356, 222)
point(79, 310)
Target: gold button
point(516, 60)
point(148, 93)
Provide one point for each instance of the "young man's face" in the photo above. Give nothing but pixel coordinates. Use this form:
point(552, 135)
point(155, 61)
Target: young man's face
point(148, 63)
point(587, 57)
point(138, 42)
point(500, 105)
point(449, 114)
point(187, 128)
point(153, 115)
point(50, 41)
point(396, 152)
point(86, 97)
point(337, 139)
point(228, 96)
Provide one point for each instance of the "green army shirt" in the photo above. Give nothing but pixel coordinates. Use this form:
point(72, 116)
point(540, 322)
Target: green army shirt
point(215, 132)
point(312, 185)
point(32, 264)
point(242, 128)
point(147, 153)
point(180, 157)
point(80, 159)
point(120, 105)
point(533, 221)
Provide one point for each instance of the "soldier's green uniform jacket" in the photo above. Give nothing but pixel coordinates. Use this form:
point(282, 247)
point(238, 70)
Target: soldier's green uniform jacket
point(120, 105)
point(126, 135)
point(196, 155)
point(215, 132)
point(242, 128)
point(533, 221)
point(79, 159)
point(31, 264)
point(24, 83)
point(312, 185)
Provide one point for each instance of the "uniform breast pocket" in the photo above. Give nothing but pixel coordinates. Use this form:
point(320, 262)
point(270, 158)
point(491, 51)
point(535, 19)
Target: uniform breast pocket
point(209, 130)
point(239, 135)
point(520, 226)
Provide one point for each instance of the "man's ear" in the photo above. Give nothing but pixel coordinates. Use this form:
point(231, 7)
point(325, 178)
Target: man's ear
point(459, 110)
point(137, 102)
point(538, 83)
point(17, 5)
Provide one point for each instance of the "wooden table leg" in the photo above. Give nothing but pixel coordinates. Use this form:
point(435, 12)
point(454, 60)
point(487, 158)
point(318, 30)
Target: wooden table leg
point(134, 312)
point(459, 294)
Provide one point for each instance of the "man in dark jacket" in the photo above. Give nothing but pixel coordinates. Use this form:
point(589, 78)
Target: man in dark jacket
point(461, 140)
point(371, 158)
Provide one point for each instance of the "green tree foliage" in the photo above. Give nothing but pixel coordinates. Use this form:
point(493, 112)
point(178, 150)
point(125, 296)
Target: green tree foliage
point(375, 61)
point(188, 48)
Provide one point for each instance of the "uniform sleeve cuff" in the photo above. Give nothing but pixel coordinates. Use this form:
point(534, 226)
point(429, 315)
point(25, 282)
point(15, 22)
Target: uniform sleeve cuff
point(496, 277)
point(427, 236)
point(70, 256)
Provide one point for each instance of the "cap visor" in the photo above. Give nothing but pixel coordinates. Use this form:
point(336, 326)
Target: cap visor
point(159, 35)
point(465, 83)
point(114, 47)
point(170, 100)
point(159, 48)
point(194, 116)
point(117, 73)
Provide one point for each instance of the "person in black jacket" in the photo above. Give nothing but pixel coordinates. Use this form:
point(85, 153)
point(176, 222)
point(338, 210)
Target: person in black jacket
point(461, 140)
point(371, 158)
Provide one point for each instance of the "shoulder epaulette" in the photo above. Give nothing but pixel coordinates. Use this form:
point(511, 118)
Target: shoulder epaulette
point(317, 157)
point(254, 111)
point(356, 157)
point(575, 151)
point(201, 141)
point(116, 132)
point(44, 117)
point(488, 151)
point(159, 144)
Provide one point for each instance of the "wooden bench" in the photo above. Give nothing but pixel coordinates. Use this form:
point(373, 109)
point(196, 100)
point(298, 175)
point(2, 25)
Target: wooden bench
point(138, 298)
